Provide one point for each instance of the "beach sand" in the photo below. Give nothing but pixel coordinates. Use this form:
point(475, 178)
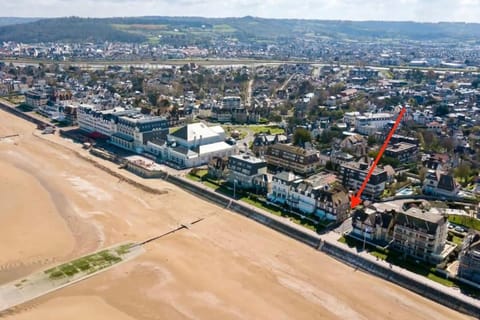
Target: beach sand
point(56, 205)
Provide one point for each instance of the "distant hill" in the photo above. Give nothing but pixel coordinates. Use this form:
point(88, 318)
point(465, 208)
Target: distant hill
point(5, 21)
point(192, 30)
point(66, 29)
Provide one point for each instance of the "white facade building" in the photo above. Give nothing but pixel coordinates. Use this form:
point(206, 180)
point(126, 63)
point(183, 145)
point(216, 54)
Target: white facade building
point(316, 195)
point(92, 120)
point(369, 122)
point(192, 145)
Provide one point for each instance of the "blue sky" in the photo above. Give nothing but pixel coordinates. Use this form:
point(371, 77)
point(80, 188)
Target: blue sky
point(397, 10)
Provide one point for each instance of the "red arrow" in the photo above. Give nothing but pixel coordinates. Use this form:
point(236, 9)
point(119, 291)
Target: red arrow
point(355, 199)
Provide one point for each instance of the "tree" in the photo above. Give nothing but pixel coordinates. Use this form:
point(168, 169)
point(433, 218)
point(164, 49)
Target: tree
point(163, 103)
point(301, 136)
point(153, 97)
point(422, 174)
point(305, 87)
point(371, 141)
point(463, 171)
point(441, 110)
point(476, 83)
point(448, 144)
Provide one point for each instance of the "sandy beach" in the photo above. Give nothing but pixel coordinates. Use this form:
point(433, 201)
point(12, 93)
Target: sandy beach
point(56, 206)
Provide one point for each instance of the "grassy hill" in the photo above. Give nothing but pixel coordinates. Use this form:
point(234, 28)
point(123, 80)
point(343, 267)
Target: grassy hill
point(191, 30)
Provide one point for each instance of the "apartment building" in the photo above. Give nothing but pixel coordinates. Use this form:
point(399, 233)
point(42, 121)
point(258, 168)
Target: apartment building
point(263, 140)
point(369, 123)
point(354, 173)
point(35, 98)
point(420, 234)
point(134, 131)
point(247, 172)
point(91, 119)
point(292, 158)
point(126, 129)
point(416, 232)
point(402, 151)
point(469, 258)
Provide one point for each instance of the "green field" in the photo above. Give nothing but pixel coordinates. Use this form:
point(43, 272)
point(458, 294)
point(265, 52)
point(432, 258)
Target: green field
point(224, 28)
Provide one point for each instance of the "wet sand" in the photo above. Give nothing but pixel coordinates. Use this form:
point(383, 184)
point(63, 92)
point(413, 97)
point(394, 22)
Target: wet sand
point(225, 267)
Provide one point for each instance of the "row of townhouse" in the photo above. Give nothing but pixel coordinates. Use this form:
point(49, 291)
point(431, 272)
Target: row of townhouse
point(318, 195)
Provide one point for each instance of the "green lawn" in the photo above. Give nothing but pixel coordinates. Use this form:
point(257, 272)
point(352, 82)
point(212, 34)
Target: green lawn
point(283, 213)
point(211, 184)
point(89, 264)
point(441, 280)
point(16, 99)
point(265, 129)
point(193, 177)
point(272, 209)
point(465, 221)
point(457, 240)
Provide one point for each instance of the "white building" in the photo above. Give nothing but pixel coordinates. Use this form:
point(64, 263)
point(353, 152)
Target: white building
point(126, 129)
point(440, 184)
point(192, 145)
point(134, 131)
point(281, 186)
point(101, 121)
point(316, 195)
point(351, 117)
point(369, 122)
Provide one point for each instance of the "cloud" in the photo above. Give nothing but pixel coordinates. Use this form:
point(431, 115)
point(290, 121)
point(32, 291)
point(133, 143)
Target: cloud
point(416, 10)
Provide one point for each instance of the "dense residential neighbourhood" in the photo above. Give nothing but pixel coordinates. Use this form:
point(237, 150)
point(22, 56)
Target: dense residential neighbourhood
point(292, 138)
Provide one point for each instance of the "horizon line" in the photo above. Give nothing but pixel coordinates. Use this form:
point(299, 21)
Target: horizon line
point(236, 17)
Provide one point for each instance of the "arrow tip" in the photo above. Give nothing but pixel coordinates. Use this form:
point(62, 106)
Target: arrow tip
point(354, 201)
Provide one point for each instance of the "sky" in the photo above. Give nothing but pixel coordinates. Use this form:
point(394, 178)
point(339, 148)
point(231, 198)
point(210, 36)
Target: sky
point(394, 10)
